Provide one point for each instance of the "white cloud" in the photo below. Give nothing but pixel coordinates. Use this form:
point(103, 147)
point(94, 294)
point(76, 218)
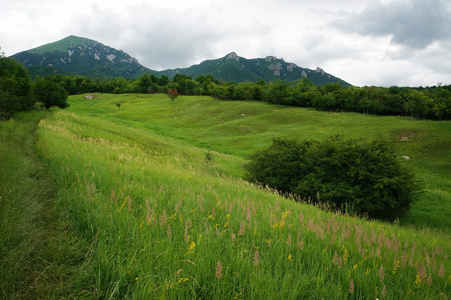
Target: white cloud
point(390, 42)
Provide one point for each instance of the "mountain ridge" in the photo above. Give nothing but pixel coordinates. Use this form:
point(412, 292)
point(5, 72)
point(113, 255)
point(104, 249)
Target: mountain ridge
point(75, 55)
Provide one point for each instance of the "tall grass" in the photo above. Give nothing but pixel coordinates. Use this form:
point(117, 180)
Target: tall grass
point(40, 257)
point(241, 128)
point(164, 223)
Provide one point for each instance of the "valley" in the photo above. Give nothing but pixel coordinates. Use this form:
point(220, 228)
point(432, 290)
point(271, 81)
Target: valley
point(154, 205)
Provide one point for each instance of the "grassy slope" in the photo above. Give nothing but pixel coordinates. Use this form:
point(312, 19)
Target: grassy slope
point(164, 224)
point(60, 46)
point(40, 257)
point(220, 126)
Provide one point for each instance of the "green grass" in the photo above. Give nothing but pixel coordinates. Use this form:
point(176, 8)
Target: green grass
point(167, 225)
point(60, 46)
point(40, 256)
point(155, 220)
point(221, 126)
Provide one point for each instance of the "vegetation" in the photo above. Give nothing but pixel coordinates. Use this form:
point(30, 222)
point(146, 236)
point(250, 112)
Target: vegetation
point(50, 93)
point(149, 200)
point(166, 225)
point(41, 256)
point(172, 94)
point(15, 88)
point(18, 93)
point(242, 128)
point(363, 177)
point(81, 56)
point(158, 221)
point(429, 103)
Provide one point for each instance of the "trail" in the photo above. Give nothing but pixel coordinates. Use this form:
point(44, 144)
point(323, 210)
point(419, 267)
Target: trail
point(38, 250)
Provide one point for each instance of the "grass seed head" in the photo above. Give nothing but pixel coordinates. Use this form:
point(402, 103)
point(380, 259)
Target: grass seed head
point(218, 270)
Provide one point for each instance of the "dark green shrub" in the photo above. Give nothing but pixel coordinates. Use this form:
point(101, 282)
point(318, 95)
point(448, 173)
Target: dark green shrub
point(50, 93)
point(363, 176)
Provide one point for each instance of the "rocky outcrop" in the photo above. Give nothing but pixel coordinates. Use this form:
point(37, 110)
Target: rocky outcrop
point(233, 56)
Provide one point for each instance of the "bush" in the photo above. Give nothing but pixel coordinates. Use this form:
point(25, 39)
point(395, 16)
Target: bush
point(365, 177)
point(50, 93)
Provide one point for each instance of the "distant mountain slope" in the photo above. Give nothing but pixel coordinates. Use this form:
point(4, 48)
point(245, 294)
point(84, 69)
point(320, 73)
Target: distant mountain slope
point(80, 56)
point(238, 69)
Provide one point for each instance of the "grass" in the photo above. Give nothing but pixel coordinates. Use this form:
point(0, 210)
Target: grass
point(153, 219)
point(40, 257)
point(240, 128)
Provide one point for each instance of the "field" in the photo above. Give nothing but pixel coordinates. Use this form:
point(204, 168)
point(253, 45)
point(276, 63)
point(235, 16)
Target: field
point(241, 128)
point(151, 193)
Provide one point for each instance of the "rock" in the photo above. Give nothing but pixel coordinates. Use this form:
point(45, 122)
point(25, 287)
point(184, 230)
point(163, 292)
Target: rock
point(233, 56)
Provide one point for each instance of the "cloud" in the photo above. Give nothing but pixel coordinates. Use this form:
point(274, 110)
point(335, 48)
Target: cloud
point(163, 37)
point(381, 42)
point(414, 24)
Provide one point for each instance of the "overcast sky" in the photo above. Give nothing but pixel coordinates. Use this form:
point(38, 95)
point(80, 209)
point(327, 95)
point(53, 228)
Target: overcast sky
point(365, 42)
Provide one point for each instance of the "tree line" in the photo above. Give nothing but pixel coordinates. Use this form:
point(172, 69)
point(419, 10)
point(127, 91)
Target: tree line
point(19, 93)
point(428, 103)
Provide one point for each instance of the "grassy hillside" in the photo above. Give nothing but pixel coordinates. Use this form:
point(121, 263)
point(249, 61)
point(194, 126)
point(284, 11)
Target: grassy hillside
point(60, 46)
point(240, 128)
point(41, 256)
point(165, 224)
point(135, 210)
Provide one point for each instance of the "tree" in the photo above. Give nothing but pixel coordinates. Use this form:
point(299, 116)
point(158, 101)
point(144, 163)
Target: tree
point(172, 94)
point(365, 176)
point(15, 87)
point(50, 93)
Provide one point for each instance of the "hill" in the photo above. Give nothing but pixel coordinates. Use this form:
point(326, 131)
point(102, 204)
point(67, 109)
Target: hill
point(81, 56)
point(239, 69)
point(241, 128)
point(150, 217)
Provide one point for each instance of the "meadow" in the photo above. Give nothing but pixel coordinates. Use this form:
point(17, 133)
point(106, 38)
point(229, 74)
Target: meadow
point(154, 195)
point(240, 128)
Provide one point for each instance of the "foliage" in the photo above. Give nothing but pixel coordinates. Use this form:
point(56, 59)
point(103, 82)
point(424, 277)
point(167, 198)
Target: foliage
point(172, 94)
point(429, 103)
point(241, 128)
point(50, 93)
point(362, 176)
point(163, 224)
point(15, 88)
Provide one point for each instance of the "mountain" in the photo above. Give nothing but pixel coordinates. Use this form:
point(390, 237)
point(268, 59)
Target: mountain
point(81, 56)
point(238, 69)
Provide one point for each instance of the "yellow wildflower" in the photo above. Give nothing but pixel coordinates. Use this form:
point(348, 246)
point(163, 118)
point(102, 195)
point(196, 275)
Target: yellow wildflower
point(396, 266)
point(191, 248)
point(418, 281)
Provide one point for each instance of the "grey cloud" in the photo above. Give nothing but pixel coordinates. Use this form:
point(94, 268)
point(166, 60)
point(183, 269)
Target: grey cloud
point(161, 38)
point(412, 23)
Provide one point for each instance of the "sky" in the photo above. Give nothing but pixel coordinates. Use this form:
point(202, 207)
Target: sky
point(364, 42)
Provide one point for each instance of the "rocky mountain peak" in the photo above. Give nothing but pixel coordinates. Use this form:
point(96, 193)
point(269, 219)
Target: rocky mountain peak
point(233, 56)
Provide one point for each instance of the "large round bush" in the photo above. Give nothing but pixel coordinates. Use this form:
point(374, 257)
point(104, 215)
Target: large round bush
point(361, 176)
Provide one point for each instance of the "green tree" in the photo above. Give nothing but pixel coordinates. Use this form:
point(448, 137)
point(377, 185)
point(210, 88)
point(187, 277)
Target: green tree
point(15, 88)
point(50, 93)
